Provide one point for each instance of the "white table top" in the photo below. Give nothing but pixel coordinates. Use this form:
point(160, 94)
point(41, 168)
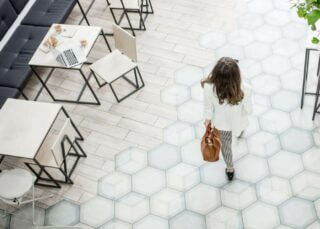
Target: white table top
point(24, 125)
point(89, 33)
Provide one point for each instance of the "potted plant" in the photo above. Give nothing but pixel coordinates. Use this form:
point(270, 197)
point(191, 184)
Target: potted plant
point(310, 11)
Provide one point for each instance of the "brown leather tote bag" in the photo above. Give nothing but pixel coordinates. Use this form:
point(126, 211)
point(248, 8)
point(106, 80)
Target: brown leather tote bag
point(211, 144)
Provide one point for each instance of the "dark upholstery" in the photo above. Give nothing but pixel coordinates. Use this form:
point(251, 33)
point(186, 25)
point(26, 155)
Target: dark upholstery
point(14, 68)
point(7, 16)
point(18, 5)
point(6, 92)
point(47, 12)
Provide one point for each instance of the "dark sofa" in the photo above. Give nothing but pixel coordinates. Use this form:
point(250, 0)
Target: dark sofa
point(15, 55)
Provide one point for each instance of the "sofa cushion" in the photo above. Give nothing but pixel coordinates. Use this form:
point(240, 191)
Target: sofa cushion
point(6, 92)
point(18, 5)
point(14, 70)
point(7, 16)
point(48, 12)
point(15, 56)
point(26, 39)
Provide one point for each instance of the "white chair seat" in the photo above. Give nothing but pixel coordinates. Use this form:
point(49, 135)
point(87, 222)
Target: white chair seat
point(15, 183)
point(44, 156)
point(128, 4)
point(112, 66)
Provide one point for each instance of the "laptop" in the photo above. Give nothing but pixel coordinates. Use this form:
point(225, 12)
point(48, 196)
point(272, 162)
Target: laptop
point(70, 57)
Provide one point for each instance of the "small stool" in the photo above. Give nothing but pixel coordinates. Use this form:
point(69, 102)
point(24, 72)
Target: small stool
point(309, 47)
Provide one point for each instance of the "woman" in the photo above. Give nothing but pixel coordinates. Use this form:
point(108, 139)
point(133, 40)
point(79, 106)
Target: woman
point(227, 103)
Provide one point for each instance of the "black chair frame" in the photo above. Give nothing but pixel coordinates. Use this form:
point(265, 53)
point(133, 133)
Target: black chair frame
point(136, 85)
point(67, 173)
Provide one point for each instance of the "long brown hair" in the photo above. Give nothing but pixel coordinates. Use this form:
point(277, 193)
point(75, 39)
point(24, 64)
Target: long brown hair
point(227, 81)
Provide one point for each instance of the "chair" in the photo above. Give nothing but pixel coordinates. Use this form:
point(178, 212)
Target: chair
point(316, 108)
point(15, 184)
point(130, 6)
point(53, 153)
point(118, 63)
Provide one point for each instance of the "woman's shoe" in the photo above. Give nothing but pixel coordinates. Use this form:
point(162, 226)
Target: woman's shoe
point(230, 175)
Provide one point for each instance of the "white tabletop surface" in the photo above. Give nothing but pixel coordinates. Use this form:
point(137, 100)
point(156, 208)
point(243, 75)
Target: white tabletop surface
point(24, 125)
point(88, 33)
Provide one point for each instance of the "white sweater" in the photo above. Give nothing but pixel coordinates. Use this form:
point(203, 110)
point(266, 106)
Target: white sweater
point(225, 116)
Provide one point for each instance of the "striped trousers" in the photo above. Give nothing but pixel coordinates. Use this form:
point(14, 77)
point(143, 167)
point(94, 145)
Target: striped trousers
point(226, 148)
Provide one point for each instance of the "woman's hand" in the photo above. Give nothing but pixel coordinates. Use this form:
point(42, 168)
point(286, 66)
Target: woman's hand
point(207, 122)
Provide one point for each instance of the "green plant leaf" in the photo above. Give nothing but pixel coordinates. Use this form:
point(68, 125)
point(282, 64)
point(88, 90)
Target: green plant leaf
point(313, 27)
point(313, 16)
point(315, 40)
point(301, 12)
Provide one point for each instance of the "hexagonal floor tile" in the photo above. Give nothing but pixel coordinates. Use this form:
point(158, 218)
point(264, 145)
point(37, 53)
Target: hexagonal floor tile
point(188, 220)
point(200, 130)
point(260, 6)
point(183, 177)
point(186, 112)
point(275, 121)
point(302, 118)
point(297, 213)
point(131, 160)
point(250, 21)
point(267, 33)
point(188, 75)
point(260, 215)
point(213, 40)
point(5, 219)
point(251, 168)
point(261, 103)
point(238, 195)
point(294, 30)
point(264, 144)
point(315, 225)
point(239, 148)
point(276, 65)
point(291, 80)
point(167, 203)
point(240, 37)
point(266, 84)
point(214, 174)
point(22, 218)
point(64, 213)
point(274, 190)
point(148, 181)
point(116, 224)
point(97, 211)
point(306, 185)
point(311, 159)
point(152, 221)
point(285, 164)
point(286, 47)
point(278, 17)
point(191, 153)
point(175, 95)
point(197, 92)
point(178, 133)
point(317, 205)
point(202, 199)
point(164, 156)
point(132, 207)
point(285, 100)
point(316, 136)
point(250, 68)
point(258, 50)
point(234, 51)
point(114, 185)
point(253, 126)
point(224, 218)
point(296, 140)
